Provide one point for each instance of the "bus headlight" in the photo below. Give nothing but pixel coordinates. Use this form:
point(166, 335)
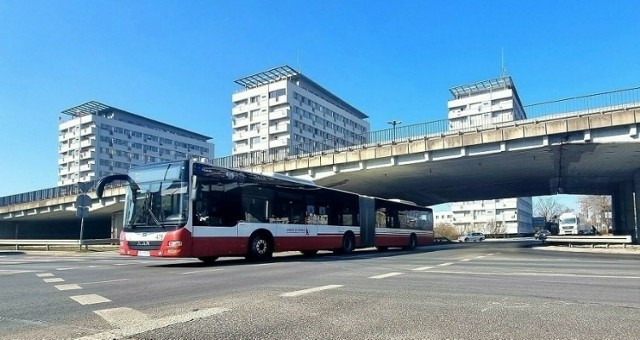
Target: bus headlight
point(175, 244)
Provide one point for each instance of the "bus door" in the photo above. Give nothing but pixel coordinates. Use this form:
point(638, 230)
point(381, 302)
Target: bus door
point(367, 221)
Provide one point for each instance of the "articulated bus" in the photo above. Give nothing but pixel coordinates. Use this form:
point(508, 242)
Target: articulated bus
point(191, 209)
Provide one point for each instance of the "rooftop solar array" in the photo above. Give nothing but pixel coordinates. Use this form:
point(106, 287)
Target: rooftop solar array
point(86, 108)
point(266, 77)
point(482, 87)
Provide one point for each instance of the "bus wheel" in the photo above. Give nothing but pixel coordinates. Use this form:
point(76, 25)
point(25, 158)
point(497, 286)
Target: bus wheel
point(348, 243)
point(309, 253)
point(259, 247)
point(208, 260)
point(413, 242)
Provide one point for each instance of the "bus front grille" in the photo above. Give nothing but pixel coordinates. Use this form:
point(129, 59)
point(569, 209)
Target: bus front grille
point(144, 245)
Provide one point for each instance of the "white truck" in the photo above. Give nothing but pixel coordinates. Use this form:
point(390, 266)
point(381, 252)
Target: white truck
point(571, 224)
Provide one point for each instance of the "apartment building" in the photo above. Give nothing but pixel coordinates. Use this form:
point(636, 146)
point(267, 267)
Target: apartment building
point(485, 103)
point(97, 140)
point(499, 216)
point(281, 111)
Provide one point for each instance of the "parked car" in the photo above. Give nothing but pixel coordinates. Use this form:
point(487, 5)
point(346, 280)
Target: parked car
point(542, 234)
point(471, 237)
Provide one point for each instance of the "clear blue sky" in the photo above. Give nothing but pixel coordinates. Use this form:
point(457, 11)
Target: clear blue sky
point(175, 61)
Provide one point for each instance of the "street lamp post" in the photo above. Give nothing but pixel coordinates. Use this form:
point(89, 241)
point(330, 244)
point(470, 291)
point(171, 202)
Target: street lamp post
point(394, 123)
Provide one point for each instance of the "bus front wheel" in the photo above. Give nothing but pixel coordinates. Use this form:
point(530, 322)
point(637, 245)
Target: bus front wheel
point(260, 247)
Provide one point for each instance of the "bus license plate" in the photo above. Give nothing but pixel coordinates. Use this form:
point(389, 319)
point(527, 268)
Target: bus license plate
point(143, 253)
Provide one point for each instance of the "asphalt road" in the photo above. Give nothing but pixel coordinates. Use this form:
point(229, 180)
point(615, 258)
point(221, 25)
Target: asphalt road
point(483, 290)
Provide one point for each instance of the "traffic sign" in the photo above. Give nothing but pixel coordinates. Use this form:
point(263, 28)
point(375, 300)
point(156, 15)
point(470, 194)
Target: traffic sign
point(82, 212)
point(83, 201)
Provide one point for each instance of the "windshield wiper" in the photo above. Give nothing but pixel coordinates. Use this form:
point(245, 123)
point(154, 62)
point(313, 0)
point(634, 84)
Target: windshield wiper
point(154, 218)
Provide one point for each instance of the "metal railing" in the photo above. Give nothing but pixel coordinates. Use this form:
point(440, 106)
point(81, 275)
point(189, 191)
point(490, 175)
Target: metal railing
point(47, 244)
point(561, 108)
point(590, 239)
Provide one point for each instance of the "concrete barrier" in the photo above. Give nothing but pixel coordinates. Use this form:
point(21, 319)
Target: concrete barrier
point(593, 240)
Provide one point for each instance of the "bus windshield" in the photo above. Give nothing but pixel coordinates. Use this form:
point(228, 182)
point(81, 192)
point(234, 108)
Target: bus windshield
point(159, 198)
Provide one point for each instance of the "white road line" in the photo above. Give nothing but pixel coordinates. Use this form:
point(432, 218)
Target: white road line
point(490, 254)
point(310, 290)
point(541, 275)
point(123, 264)
point(68, 287)
point(465, 260)
point(422, 268)
point(122, 316)
point(479, 257)
point(55, 279)
point(67, 268)
point(202, 271)
point(382, 276)
point(45, 275)
point(445, 264)
point(99, 282)
point(11, 272)
point(133, 327)
point(90, 299)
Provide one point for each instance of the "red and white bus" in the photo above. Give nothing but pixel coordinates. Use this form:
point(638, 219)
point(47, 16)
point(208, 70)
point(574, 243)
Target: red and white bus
point(191, 209)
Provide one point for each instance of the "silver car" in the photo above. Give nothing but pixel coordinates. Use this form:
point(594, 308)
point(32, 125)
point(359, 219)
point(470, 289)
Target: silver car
point(471, 237)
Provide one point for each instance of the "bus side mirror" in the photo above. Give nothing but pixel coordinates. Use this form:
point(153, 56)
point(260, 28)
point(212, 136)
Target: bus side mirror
point(108, 179)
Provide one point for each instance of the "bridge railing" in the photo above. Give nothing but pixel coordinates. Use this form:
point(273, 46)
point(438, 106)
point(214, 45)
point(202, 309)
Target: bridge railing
point(561, 108)
point(48, 244)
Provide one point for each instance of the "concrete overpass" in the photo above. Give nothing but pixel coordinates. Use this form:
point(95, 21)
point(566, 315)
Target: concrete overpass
point(593, 151)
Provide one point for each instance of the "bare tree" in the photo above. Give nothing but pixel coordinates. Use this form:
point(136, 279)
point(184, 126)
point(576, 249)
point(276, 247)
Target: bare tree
point(548, 207)
point(495, 228)
point(446, 229)
point(598, 208)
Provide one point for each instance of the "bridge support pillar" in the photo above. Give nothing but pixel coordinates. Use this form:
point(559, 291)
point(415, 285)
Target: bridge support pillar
point(636, 191)
point(623, 210)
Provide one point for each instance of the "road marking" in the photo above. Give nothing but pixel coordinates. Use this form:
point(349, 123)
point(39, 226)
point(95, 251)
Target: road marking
point(67, 268)
point(310, 290)
point(11, 272)
point(465, 260)
point(45, 275)
point(541, 274)
point(55, 279)
point(445, 264)
point(99, 282)
point(422, 268)
point(134, 326)
point(382, 276)
point(123, 264)
point(481, 256)
point(490, 254)
point(122, 316)
point(68, 287)
point(90, 299)
point(202, 271)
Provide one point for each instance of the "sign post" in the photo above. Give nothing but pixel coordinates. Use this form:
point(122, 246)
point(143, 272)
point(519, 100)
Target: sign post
point(82, 210)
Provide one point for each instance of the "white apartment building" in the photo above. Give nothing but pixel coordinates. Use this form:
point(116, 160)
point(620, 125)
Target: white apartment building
point(486, 103)
point(499, 216)
point(281, 111)
point(97, 140)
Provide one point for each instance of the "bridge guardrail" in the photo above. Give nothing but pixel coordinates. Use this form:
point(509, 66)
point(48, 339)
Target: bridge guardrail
point(58, 243)
point(593, 240)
